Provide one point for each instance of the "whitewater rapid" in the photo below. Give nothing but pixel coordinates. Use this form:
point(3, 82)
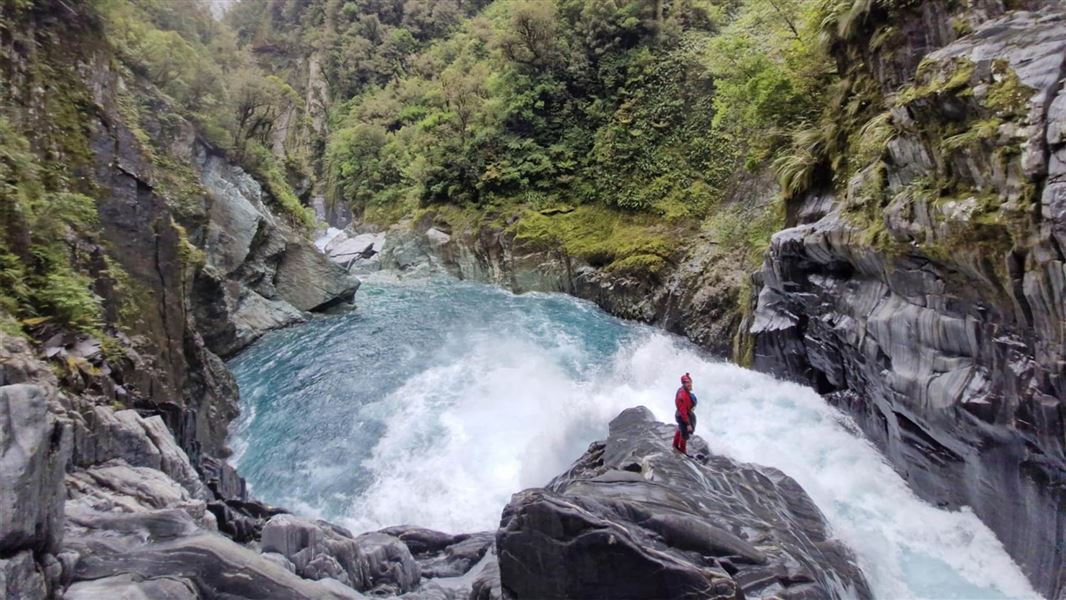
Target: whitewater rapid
point(436, 400)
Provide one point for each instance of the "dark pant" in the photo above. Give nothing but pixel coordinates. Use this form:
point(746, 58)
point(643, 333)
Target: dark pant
point(682, 434)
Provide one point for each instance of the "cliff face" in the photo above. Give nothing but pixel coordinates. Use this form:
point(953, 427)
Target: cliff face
point(927, 297)
point(132, 431)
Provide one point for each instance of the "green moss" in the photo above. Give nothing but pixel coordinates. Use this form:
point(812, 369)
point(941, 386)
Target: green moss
point(745, 230)
point(600, 236)
point(971, 138)
point(10, 326)
point(188, 252)
point(1007, 95)
point(935, 78)
point(743, 341)
point(639, 263)
point(261, 163)
point(961, 26)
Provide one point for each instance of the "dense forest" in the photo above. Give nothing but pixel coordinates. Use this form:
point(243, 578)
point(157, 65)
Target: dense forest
point(637, 116)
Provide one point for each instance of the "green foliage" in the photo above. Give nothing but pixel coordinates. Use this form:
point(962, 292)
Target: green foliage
point(600, 102)
point(599, 236)
point(195, 63)
point(39, 255)
point(771, 73)
point(261, 163)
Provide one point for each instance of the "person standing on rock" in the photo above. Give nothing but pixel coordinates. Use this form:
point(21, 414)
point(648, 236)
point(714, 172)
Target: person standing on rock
point(685, 401)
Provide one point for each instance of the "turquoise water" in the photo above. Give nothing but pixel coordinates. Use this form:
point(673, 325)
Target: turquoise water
point(435, 400)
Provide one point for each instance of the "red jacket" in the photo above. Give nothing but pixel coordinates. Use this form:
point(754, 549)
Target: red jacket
point(684, 403)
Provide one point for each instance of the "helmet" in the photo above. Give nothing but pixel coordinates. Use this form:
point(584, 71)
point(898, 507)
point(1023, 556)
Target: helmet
point(686, 378)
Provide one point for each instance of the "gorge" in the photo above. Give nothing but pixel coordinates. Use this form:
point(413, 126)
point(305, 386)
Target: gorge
point(861, 197)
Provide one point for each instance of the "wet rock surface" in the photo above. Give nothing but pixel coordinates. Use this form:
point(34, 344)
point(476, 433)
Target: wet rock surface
point(634, 519)
point(946, 340)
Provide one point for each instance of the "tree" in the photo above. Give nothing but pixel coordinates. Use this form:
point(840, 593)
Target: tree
point(257, 104)
point(532, 36)
point(463, 90)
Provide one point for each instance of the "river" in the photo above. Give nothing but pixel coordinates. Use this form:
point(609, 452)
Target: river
point(435, 400)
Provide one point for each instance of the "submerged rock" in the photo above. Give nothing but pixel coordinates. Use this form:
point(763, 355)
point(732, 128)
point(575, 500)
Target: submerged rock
point(634, 519)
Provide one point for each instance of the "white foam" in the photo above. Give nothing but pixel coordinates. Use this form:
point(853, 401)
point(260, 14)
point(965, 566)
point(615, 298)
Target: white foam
point(503, 415)
point(324, 239)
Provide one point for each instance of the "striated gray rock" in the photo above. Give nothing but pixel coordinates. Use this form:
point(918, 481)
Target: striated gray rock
point(944, 335)
point(306, 279)
point(103, 434)
point(216, 565)
point(359, 253)
point(132, 530)
point(390, 566)
point(634, 519)
point(442, 554)
point(20, 578)
point(129, 587)
point(34, 450)
point(117, 487)
point(373, 562)
point(261, 274)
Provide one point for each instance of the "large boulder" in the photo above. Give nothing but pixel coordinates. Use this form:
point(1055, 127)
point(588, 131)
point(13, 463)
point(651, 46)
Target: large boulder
point(34, 451)
point(134, 531)
point(634, 519)
point(102, 434)
point(308, 280)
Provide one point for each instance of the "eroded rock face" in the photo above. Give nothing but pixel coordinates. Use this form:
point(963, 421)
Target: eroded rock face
point(34, 450)
point(696, 295)
point(946, 339)
point(633, 519)
point(261, 274)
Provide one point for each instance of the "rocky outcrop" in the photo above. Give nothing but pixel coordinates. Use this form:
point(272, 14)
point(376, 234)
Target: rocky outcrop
point(317, 550)
point(260, 274)
point(356, 253)
point(939, 321)
point(634, 519)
